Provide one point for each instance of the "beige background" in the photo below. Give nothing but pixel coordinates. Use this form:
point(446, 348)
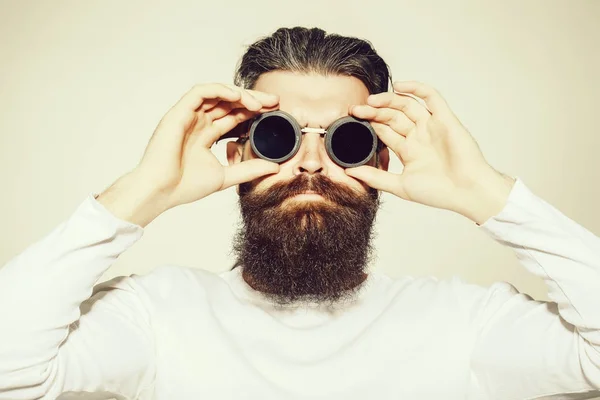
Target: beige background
point(83, 84)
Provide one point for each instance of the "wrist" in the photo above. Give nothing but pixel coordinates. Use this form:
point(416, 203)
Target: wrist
point(131, 199)
point(487, 197)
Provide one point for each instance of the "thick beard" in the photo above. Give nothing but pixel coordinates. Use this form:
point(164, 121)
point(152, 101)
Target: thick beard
point(305, 251)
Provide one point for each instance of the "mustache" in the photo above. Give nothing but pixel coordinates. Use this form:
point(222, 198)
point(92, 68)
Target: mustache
point(320, 184)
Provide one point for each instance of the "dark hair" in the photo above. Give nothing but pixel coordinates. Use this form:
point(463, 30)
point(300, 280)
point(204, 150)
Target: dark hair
point(309, 50)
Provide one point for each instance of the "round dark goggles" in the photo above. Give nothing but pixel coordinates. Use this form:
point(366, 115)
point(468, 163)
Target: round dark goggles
point(276, 136)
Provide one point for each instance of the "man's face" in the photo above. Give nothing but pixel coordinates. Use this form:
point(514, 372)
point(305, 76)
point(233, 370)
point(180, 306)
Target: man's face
point(314, 101)
point(293, 245)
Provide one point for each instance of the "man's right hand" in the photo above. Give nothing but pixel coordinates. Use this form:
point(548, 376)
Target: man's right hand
point(178, 165)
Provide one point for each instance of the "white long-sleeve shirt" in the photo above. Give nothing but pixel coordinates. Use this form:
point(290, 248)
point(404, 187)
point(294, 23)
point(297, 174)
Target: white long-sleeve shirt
point(180, 333)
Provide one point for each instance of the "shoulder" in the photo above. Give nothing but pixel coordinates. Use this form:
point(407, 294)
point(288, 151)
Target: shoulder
point(451, 293)
point(169, 282)
point(453, 303)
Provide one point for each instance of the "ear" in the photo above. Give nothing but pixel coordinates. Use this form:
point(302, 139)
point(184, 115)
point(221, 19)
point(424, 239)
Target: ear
point(384, 159)
point(235, 152)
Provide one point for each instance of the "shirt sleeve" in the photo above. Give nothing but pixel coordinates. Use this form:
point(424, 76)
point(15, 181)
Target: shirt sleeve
point(528, 349)
point(59, 334)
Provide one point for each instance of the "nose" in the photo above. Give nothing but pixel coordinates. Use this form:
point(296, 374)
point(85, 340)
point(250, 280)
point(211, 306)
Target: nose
point(311, 157)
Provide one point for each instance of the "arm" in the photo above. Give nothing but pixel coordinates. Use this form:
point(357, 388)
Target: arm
point(525, 349)
point(528, 349)
point(45, 346)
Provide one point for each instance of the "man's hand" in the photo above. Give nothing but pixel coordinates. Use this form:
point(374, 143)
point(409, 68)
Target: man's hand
point(443, 165)
point(178, 165)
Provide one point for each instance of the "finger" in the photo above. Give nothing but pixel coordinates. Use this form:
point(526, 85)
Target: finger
point(224, 108)
point(255, 100)
point(223, 125)
point(248, 101)
point(247, 171)
point(433, 99)
point(267, 99)
point(389, 137)
point(197, 95)
point(377, 179)
point(409, 106)
point(209, 104)
point(395, 119)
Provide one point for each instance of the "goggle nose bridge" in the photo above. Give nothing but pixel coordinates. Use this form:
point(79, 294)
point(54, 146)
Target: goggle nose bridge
point(320, 131)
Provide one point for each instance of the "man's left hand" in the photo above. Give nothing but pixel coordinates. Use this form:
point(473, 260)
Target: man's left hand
point(443, 165)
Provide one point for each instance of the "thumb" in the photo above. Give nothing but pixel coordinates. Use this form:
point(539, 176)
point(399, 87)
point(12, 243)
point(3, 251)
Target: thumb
point(378, 179)
point(247, 171)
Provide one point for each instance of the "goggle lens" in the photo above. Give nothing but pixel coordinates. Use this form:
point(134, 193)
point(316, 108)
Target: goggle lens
point(352, 143)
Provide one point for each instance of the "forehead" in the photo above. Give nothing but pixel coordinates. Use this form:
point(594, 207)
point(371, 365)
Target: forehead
point(313, 91)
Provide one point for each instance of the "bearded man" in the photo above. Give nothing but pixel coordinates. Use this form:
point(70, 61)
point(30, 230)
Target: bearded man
point(301, 316)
